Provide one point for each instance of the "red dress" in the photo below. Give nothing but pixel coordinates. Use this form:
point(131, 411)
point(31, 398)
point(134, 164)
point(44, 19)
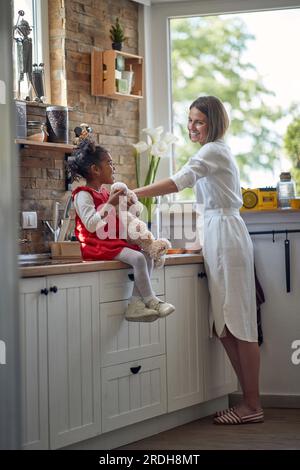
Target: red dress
point(92, 247)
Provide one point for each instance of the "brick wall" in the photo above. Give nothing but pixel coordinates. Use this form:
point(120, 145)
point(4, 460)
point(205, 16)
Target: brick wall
point(75, 27)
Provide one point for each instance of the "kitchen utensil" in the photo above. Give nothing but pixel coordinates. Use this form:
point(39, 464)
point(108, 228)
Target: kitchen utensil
point(67, 207)
point(65, 224)
point(287, 263)
point(55, 215)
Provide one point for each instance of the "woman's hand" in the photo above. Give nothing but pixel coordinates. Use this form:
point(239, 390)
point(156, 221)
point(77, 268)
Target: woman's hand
point(114, 198)
point(166, 186)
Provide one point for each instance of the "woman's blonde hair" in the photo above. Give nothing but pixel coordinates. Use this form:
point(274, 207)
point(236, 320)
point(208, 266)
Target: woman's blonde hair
point(217, 117)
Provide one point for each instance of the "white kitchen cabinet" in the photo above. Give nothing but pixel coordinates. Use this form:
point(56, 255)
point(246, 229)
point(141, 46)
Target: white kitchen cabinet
point(123, 341)
point(184, 337)
point(34, 367)
point(118, 284)
point(74, 358)
point(87, 371)
point(133, 392)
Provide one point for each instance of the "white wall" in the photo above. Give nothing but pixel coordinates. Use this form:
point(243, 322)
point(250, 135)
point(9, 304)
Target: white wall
point(281, 310)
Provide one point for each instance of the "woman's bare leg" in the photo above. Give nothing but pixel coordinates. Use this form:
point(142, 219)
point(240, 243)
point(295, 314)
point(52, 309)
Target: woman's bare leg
point(244, 357)
point(230, 345)
point(249, 363)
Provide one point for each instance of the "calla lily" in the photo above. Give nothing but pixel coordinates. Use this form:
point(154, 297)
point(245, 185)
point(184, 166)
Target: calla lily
point(160, 149)
point(141, 147)
point(154, 134)
point(169, 138)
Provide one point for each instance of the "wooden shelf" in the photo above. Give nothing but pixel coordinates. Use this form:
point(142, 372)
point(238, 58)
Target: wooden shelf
point(103, 74)
point(45, 145)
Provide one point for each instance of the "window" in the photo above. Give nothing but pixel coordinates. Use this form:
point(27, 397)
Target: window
point(251, 67)
point(36, 14)
point(163, 106)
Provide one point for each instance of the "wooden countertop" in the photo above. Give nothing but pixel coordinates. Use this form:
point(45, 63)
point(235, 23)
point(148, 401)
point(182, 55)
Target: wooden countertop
point(70, 267)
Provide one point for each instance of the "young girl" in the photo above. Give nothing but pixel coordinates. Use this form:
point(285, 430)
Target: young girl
point(95, 213)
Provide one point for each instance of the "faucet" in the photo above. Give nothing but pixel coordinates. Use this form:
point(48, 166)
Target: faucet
point(54, 229)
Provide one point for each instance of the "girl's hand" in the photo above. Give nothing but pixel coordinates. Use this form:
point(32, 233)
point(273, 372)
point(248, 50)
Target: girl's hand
point(114, 198)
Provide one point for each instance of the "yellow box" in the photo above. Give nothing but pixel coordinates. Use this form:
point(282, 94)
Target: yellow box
point(259, 199)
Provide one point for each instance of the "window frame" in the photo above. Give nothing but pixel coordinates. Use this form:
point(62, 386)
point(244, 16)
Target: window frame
point(157, 111)
point(40, 35)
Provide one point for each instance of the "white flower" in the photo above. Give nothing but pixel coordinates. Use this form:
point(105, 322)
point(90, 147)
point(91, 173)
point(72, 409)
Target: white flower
point(160, 149)
point(154, 134)
point(169, 138)
point(141, 147)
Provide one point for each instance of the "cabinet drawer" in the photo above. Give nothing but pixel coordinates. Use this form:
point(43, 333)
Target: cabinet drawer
point(123, 341)
point(133, 392)
point(117, 285)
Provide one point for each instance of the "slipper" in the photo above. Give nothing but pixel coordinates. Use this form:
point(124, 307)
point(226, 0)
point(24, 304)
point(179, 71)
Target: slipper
point(233, 418)
point(223, 412)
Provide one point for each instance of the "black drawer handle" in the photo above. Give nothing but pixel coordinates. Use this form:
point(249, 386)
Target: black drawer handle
point(202, 275)
point(131, 277)
point(53, 289)
point(135, 370)
point(44, 292)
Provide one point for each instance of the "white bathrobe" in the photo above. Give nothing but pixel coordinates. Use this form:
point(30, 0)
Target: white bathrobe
point(227, 247)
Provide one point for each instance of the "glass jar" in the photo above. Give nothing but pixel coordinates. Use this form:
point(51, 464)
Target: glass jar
point(58, 124)
point(37, 131)
point(285, 190)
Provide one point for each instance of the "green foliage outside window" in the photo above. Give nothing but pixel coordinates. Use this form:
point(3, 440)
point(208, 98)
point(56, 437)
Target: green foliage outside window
point(208, 59)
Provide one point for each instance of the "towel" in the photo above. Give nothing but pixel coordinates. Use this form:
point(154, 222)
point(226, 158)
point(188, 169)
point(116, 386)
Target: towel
point(260, 299)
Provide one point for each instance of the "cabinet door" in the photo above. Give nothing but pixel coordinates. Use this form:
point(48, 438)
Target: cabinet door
point(133, 392)
point(184, 352)
point(124, 341)
point(118, 284)
point(74, 358)
point(219, 376)
point(34, 371)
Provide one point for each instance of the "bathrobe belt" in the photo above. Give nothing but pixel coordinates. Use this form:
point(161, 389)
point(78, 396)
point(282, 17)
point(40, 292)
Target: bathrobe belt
point(221, 211)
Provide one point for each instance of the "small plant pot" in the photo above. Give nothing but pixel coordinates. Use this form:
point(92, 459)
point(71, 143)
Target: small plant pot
point(117, 46)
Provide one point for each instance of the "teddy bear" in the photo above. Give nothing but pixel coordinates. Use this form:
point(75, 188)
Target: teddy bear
point(137, 230)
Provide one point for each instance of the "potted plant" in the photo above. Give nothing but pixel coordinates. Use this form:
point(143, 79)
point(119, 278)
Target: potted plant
point(117, 35)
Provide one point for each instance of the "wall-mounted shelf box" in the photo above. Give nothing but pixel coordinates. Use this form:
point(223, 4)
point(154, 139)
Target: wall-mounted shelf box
point(104, 74)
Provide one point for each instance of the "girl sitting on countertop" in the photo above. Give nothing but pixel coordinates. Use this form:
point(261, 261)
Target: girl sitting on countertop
point(95, 218)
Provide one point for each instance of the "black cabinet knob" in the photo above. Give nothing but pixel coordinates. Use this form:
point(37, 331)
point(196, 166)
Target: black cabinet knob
point(202, 275)
point(131, 277)
point(53, 289)
point(44, 291)
point(135, 370)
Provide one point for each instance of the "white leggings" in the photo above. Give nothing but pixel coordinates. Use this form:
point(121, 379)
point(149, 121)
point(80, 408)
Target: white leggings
point(142, 269)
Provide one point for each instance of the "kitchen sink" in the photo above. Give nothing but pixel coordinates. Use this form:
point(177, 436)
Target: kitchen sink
point(41, 259)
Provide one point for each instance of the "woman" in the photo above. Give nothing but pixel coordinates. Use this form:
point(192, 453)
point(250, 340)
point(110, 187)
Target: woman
point(227, 249)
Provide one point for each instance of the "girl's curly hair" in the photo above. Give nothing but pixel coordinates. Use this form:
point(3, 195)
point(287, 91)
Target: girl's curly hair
point(86, 154)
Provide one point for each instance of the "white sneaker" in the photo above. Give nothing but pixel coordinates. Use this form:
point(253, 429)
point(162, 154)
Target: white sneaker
point(163, 308)
point(137, 311)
